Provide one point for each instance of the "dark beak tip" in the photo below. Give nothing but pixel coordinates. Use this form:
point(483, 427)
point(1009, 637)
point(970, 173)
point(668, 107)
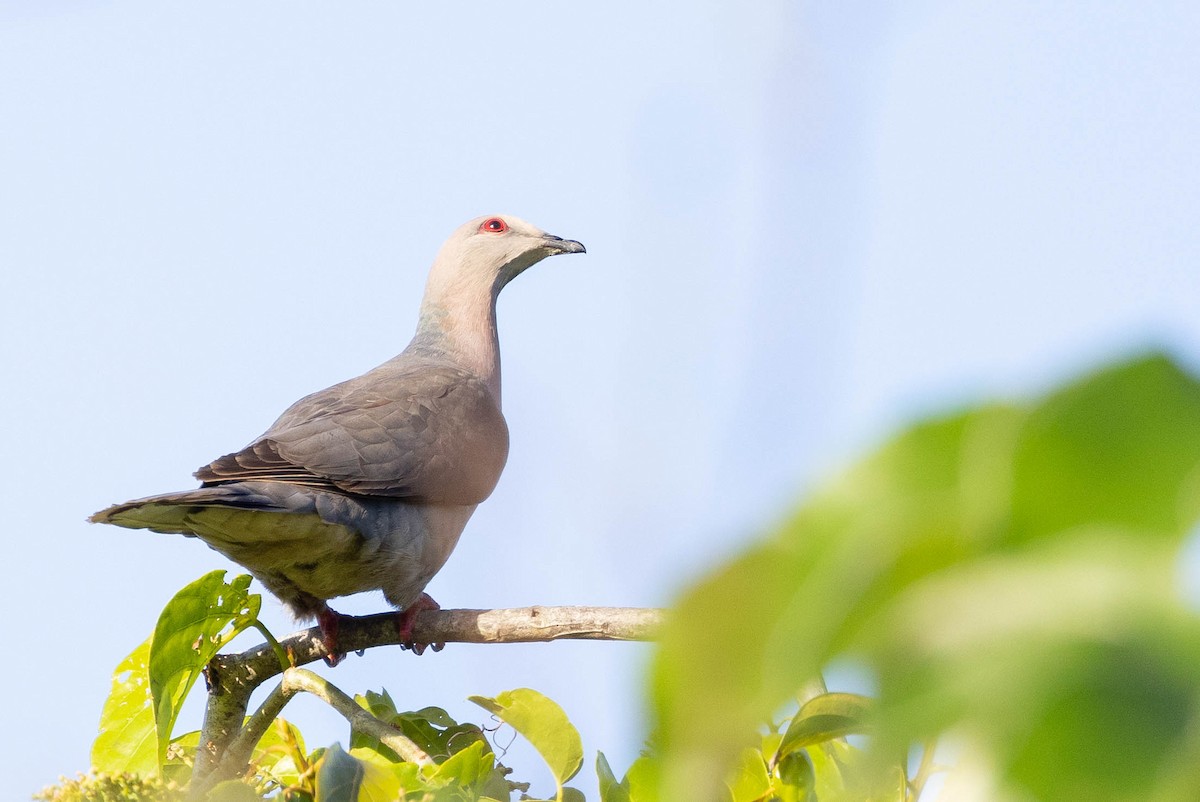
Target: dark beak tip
point(560, 245)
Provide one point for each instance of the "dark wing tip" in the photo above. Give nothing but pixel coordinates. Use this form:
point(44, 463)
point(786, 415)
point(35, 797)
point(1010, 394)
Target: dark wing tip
point(259, 461)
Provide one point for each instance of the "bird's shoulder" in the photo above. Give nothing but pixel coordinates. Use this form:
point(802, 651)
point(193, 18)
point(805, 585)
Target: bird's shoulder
point(404, 384)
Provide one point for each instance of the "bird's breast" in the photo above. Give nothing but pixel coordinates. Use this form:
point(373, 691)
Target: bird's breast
point(470, 464)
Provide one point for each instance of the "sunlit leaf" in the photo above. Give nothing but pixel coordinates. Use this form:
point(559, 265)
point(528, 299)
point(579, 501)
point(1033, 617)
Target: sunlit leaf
point(749, 780)
point(827, 771)
point(127, 741)
point(379, 705)
point(189, 633)
point(467, 767)
point(843, 772)
point(611, 789)
point(643, 779)
point(544, 725)
point(824, 717)
point(381, 778)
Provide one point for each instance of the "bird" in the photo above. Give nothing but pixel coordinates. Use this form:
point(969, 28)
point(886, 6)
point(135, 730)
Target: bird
point(368, 484)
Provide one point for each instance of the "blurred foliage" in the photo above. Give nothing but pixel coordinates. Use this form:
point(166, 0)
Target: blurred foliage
point(123, 787)
point(1008, 576)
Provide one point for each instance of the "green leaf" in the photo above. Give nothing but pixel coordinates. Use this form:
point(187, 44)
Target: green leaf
point(468, 767)
point(1119, 449)
point(796, 778)
point(828, 782)
point(825, 717)
point(842, 772)
point(431, 728)
point(749, 781)
point(127, 742)
point(611, 790)
point(643, 779)
point(544, 725)
point(413, 783)
point(381, 779)
point(436, 716)
point(189, 633)
point(339, 776)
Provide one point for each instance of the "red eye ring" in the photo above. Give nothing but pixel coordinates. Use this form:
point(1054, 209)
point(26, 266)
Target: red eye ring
point(494, 225)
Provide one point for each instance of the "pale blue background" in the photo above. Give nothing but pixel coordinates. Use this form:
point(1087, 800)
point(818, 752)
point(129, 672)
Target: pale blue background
point(806, 223)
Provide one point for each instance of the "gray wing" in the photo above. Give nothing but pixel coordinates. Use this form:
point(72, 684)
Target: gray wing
point(410, 429)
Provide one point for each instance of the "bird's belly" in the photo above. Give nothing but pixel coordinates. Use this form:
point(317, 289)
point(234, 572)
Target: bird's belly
point(293, 554)
point(345, 545)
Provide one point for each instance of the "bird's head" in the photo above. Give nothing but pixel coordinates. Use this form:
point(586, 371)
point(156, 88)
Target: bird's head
point(494, 250)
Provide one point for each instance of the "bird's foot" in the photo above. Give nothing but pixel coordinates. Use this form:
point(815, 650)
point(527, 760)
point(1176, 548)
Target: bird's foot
point(328, 620)
point(408, 617)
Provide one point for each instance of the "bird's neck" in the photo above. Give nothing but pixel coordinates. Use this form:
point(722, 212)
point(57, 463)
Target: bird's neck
point(459, 324)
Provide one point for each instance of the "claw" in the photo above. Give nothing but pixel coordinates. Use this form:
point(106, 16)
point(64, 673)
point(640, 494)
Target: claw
point(408, 617)
point(328, 621)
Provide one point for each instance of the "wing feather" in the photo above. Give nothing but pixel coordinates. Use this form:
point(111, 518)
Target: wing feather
point(410, 429)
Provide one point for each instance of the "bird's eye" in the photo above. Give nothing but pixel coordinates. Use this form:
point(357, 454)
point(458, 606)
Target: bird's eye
point(494, 224)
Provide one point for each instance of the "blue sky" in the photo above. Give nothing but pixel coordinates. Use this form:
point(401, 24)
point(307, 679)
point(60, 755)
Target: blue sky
point(807, 223)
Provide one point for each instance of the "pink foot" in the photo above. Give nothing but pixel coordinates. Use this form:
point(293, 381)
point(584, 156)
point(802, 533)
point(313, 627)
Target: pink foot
point(408, 617)
point(328, 620)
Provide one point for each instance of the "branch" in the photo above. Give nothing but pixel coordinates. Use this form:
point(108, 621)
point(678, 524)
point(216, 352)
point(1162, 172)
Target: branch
point(296, 680)
point(231, 678)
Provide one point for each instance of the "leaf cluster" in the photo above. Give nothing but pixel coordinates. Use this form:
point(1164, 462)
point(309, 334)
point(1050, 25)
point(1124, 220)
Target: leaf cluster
point(112, 788)
point(137, 735)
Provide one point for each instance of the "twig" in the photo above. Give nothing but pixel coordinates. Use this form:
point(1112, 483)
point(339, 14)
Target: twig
point(299, 679)
point(232, 678)
point(916, 786)
point(237, 754)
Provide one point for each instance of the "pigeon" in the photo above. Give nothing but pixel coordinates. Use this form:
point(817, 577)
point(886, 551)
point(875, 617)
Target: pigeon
point(367, 485)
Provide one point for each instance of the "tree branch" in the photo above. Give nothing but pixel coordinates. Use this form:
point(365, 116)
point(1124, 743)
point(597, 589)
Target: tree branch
point(237, 753)
point(296, 680)
point(231, 678)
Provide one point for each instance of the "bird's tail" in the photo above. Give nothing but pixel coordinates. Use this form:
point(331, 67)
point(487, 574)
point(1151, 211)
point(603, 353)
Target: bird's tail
point(173, 513)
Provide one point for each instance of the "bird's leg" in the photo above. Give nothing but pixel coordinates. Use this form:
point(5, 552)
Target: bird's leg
point(328, 620)
point(408, 616)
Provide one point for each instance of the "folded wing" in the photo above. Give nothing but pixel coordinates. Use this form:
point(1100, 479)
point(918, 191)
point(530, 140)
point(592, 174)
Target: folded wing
point(410, 429)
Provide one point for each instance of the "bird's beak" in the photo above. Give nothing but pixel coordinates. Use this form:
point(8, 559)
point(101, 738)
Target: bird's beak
point(558, 245)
